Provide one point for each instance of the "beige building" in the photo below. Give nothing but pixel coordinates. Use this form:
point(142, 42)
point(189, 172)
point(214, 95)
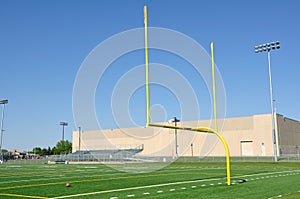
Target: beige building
point(245, 136)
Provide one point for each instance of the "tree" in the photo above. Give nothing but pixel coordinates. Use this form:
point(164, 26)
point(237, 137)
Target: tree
point(63, 147)
point(50, 151)
point(53, 150)
point(44, 152)
point(5, 154)
point(37, 150)
point(4, 150)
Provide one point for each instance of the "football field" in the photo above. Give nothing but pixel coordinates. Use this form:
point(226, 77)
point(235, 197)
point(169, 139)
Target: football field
point(176, 180)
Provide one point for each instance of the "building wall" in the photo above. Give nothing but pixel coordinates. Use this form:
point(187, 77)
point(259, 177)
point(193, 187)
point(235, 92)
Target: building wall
point(245, 136)
point(288, 135)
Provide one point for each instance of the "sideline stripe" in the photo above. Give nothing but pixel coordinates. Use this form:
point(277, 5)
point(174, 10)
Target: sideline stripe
point(166, 184)
point(22, 196)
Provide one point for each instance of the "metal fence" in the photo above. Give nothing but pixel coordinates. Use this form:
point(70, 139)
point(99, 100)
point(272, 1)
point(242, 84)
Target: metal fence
point(289, 150)
point(122, 158)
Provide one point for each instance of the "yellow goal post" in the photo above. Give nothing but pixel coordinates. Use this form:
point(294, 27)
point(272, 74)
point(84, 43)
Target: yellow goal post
point(195, 129)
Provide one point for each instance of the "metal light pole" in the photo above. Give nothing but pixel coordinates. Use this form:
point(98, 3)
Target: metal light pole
point(2, 123)
point(268, 47)
point(79, 138)
point(63, 130)
point(175, 120)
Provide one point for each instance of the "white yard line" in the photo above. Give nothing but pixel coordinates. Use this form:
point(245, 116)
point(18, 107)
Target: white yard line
point(167, 184)
point(53, 177)
point(31, 180)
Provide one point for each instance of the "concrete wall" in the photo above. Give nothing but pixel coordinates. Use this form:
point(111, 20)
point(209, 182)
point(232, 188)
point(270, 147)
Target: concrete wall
point(288, 135)
point(245, 136)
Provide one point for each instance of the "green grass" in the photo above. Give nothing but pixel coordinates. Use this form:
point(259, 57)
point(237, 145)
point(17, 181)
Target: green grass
point(177, 180)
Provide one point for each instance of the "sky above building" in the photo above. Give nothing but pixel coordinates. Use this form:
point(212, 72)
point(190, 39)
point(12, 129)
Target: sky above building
point(45, 44)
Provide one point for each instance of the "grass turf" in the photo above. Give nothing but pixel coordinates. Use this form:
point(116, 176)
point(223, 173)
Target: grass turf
point(177, 180)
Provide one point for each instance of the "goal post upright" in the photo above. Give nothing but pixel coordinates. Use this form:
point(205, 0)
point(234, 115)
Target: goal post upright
point(216, 131)
point(147, 67)
point(214, 83)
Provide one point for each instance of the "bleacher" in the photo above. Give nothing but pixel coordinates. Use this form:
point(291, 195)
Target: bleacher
point(104, 155)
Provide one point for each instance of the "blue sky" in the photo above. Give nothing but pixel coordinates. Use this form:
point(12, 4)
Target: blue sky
point(43, 44)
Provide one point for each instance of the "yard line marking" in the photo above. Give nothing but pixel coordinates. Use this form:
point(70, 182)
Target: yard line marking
point(52, 177)
point(146, 193)
point(194, 187)
point(102, 179)
point(264, 174)
point(40, 179)
point(45, 179)
point(12, 176)
point(183, 188)
point(166, 184)
point(113, 197)
point(40, 173)
point(22, 196)
point(130, 196)
point(160, 191)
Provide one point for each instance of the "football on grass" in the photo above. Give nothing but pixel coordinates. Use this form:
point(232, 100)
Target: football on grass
point(68, 185)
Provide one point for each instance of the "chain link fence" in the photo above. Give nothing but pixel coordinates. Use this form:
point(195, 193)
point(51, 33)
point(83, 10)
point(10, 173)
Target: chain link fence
point(131, 154)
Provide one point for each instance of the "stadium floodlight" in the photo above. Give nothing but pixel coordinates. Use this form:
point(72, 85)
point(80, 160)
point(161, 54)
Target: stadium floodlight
point(2, 123)
point(175, 120)
point(63, 129)
point(198, 129)
point(270, 46)
point(4, 101)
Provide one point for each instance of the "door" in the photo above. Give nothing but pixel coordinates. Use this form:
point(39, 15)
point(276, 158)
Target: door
point(247, 148)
